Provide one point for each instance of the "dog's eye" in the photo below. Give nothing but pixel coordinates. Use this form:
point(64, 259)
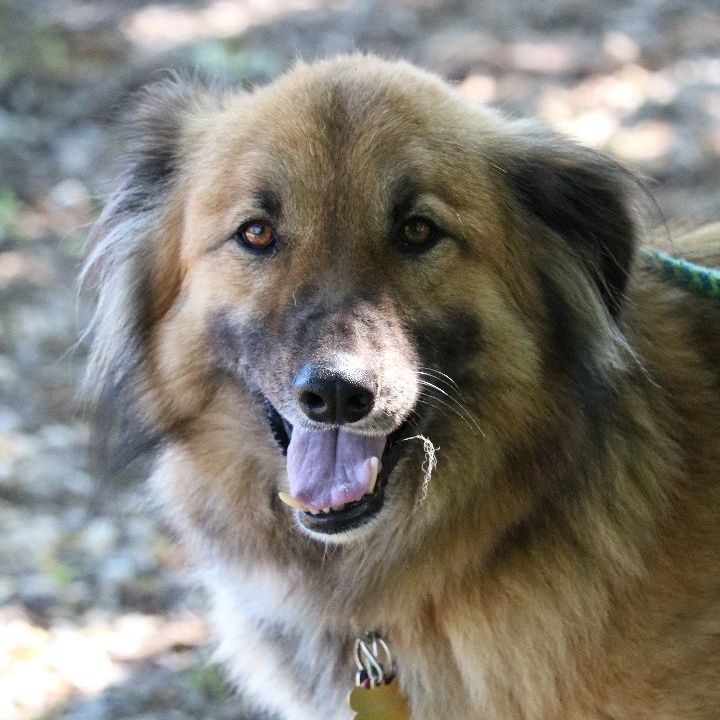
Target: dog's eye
point(418, 234)
point(256, 235)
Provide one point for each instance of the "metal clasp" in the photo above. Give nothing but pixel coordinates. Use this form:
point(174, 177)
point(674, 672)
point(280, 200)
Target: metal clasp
point(373, 660)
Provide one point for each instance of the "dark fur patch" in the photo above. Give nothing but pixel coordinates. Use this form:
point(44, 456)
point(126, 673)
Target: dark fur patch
point(269, 202)
point(541, 522)
point(235, 344)
point(706, 332)
point(152, 152)
point(403, 197)
point(569, 358)
point(119, 434)
point(310, 329)
point(584, 198)
point(321, 323)
point(450, 341)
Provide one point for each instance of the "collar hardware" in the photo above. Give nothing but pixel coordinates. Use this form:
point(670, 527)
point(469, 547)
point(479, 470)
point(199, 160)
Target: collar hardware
point(377, 694)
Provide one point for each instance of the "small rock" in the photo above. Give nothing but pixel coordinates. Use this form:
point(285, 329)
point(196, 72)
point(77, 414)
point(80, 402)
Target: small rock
point(69, 194)
point(141, 531)
point(118, 568)
point(60, 436)
point(78, 151)
point(7, 590)
point(50, 476)
point(78, 594)
point(37, 592)
point(621, 47)
point(10, 420)
point(75, 518)
point(78, 482)
point(8, 371)
point(99, 537)
point(37, 538)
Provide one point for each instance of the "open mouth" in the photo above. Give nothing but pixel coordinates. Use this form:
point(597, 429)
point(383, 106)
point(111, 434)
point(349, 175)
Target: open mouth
point(343, 516)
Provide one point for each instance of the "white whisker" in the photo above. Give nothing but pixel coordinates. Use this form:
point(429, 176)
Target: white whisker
point(464, 412)
point(439, 373)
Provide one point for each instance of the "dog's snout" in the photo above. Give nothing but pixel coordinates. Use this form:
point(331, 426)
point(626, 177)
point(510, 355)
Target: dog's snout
point(330, 395)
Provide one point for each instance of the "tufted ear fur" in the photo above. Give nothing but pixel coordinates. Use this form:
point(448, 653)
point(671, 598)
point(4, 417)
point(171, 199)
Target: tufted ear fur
point(583, 197)
point(128, 268)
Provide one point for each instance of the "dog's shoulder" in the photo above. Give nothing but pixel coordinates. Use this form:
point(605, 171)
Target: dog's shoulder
point(701, 245)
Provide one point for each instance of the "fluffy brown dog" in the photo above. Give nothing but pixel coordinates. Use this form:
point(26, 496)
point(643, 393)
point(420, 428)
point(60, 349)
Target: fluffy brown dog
point(354, 256)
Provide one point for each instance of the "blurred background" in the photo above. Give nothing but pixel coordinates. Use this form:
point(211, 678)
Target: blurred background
point(97, 621)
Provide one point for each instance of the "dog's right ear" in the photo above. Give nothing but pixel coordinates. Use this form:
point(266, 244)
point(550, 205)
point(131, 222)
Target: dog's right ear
point(583, 197)
point(132, 268)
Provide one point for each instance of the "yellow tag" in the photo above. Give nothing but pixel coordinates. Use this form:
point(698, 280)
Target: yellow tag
point(383, 702)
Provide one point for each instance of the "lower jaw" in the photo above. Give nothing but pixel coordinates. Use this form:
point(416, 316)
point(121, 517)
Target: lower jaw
point(355, 515)
point(346, 519)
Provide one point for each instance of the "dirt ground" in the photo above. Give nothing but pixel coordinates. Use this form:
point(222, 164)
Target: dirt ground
point(97, 619)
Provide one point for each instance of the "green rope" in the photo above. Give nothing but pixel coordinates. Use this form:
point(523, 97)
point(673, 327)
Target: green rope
point(701, 280)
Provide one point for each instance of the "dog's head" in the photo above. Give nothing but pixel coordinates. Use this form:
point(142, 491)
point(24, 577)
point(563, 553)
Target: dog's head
point(349, 258)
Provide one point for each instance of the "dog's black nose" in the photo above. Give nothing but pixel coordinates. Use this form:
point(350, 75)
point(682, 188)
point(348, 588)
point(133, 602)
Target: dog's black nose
point(329, 395)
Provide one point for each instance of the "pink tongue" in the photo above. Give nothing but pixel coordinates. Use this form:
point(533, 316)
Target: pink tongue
point(330, 468)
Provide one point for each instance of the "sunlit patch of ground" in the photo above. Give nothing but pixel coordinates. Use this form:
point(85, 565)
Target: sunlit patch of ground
point(42, 669)
point(162, 26)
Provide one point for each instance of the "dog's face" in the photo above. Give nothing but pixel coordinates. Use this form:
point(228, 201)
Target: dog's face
point(358, 257)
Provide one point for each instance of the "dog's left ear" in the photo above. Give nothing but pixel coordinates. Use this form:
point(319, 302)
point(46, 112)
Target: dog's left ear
point(582, 196)
point(133, 269)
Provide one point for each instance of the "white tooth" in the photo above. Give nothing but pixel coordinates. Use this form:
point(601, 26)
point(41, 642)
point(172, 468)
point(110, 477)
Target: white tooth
point(374, 469)
point(326, 510)
point(292, 502)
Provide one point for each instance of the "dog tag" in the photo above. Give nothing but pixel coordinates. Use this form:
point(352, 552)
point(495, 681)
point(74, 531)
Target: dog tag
point(377, 695)
point(382, 702)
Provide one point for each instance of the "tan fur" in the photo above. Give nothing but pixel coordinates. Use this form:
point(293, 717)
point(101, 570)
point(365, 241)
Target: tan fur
point(505, 595)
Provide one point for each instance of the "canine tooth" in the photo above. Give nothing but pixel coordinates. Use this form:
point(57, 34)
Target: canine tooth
point(374, 469)
point(326, 510)
point(292, 502)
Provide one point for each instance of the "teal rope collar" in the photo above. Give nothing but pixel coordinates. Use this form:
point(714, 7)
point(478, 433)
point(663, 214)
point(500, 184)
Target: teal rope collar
point(701, 280)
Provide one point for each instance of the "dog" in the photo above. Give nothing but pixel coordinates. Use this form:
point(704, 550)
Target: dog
point(404, 369)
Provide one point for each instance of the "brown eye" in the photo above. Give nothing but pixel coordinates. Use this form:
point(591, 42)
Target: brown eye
point(257, 235)
point(418, 234)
